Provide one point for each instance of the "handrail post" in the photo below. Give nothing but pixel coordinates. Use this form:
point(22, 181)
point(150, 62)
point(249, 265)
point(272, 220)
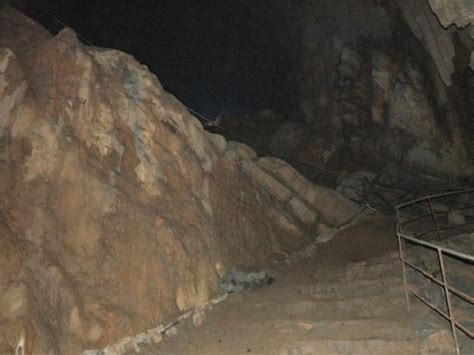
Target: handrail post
point(435, 220)
point(448, 299)
point(402, 259)
point(441, 251)
point(401, 250)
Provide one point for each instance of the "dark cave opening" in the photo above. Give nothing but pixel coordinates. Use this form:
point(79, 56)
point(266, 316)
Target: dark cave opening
point(216, 57)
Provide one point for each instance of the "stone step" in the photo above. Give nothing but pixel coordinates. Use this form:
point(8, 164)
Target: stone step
point(354, 285)
point(365, 306)
point(360, 288)
point(386, 258)
point(438, 342)
point(353, 329)
point(370, 271)
point(353, 275)
point(364, 329)
point(351, 347)
point(373, 267)
point(357, 307)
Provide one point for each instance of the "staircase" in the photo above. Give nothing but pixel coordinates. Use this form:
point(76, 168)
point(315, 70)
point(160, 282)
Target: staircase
point(361, 310)
point(356, 309)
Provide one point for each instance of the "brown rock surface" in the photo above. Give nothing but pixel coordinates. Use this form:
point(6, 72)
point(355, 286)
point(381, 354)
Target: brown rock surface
point(431, 21)
point(460, 12)
point(118, 211)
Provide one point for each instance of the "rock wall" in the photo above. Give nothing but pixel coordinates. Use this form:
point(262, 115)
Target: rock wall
point(376, 90)
point(118, 211)
point(387, 119)
point(459, 12)
point(438, 41)
point(431, 22)
point(383, 117)
point(324, 28)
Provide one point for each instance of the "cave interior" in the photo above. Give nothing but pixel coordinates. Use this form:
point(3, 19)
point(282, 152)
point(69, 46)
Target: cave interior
point(204, 177)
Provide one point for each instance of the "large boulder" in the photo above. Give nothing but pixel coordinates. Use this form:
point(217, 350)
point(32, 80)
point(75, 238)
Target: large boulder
point(118, 212)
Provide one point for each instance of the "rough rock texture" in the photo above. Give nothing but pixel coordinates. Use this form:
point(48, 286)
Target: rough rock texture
point(459, 12)
point(431, 22)
point(389, 116)
point(369, 96)
point(383, 118)
point(438, 41)
point(324, 28)
point(118, 211)
point(379, 86)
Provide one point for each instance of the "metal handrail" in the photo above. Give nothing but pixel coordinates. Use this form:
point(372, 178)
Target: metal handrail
point(439, 229)
point(445, 250)
point(432, 197)
point(441, 252)
point(436, 212)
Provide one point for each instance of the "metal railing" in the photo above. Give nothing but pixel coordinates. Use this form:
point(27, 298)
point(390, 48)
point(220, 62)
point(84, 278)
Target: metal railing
point(441, 251)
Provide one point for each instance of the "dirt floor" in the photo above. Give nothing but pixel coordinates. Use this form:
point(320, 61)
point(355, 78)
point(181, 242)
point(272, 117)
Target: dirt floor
point(266, 319)
point(370, 238)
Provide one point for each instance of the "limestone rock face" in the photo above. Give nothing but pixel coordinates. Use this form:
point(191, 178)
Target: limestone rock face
point(431, 22)
point(118, 211)
point(324, 27)
point(459, 12)
point(412, 130)
point(384, 119)
point(438, 41)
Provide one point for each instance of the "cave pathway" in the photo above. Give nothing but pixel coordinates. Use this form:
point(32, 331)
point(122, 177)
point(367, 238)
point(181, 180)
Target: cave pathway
point(346, 298)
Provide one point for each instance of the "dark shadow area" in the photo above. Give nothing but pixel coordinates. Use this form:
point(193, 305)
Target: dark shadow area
point(214, 56)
